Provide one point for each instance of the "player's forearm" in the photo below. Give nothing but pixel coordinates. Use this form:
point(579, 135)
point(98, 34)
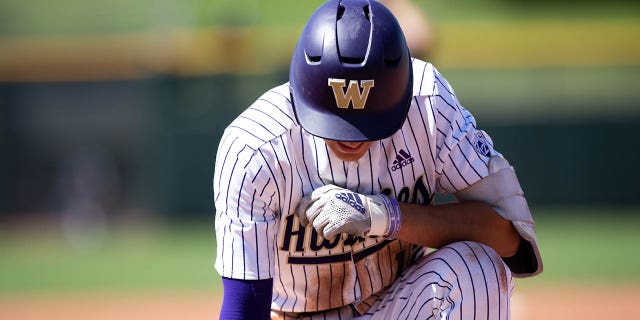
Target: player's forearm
point(436, 226)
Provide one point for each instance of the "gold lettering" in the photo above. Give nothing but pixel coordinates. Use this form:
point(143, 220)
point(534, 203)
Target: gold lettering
point(353, 95)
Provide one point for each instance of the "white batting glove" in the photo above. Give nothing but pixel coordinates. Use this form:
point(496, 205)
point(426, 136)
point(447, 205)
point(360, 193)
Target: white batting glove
point(333, 210)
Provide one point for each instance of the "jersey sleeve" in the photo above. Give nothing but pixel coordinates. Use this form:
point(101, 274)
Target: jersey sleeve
point(245, 222)
point(462, 151)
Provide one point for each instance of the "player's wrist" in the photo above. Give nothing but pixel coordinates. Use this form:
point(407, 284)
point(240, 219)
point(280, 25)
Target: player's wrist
point(385, 217)
point(395, 218)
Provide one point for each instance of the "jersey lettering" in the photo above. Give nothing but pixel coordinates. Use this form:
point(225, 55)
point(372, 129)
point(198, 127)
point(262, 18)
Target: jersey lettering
point(296, 230)
point(324, 244)
point(317, 243)
point(289, 233)
point(420, 194)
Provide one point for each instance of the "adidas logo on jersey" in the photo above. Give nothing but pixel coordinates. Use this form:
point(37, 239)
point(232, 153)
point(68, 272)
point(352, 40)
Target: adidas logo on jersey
point(402, 159)
point(351, 199)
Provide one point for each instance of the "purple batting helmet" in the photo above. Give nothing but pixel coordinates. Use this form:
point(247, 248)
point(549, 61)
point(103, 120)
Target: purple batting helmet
point(351, 77)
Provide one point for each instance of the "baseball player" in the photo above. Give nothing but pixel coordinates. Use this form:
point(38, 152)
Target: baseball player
point(324, 188)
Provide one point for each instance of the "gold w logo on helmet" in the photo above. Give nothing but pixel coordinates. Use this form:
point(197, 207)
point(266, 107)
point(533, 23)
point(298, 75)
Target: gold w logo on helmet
point(353, 95)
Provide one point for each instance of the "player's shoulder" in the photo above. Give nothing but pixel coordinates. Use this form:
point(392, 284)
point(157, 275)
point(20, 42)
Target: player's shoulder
point(423, 76)
point(428, 81)
point(267, 118)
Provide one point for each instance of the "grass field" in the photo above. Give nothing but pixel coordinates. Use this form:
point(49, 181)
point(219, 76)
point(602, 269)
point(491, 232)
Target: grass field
point(177, 258)
point(592, 271)
point(595, 245)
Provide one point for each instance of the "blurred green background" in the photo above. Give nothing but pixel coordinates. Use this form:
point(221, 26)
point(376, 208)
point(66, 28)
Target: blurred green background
point(111, 112)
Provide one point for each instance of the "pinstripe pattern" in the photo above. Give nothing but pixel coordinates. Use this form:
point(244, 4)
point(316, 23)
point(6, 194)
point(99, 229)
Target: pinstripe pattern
point(266, 162)
point(463, 280)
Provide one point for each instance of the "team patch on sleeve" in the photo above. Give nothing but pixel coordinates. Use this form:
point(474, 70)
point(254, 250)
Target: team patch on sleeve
point(481, 144)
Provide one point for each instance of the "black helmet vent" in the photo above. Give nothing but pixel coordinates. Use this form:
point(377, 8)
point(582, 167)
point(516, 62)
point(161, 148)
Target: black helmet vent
point(367, 12)
point(341, 10)
point(313, 58)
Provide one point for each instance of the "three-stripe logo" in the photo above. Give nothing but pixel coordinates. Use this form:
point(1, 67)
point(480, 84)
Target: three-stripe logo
point(352, 199)
point(402, 159)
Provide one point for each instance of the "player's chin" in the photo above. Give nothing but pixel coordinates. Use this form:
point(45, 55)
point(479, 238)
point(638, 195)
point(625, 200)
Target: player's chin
point(349, 157)
point(348, 151)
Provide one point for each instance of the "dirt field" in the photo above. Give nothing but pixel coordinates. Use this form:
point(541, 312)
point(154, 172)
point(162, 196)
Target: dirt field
point(582, 303)
point(530, 303)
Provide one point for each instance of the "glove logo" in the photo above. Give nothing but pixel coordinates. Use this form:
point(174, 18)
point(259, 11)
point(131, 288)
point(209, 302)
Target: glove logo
point(352, 200)
point(356, 94)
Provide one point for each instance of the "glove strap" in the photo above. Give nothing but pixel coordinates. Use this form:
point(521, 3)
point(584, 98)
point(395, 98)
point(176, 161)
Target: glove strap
point(395, 217)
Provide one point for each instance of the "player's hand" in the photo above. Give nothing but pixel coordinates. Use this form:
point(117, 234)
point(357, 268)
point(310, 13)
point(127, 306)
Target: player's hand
point(333, 210)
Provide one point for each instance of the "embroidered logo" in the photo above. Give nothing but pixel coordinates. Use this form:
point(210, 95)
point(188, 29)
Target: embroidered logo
point(351, 199)
point(402, 159)
point(356, 94)
point(481, 144)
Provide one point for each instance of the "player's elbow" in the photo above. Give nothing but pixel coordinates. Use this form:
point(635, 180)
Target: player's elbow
point(509, 239)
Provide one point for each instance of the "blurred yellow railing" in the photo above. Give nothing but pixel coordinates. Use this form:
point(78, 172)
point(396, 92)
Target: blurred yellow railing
point(538, 44)
point(251, 50)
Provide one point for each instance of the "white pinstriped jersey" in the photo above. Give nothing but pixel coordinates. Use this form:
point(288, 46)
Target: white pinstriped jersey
point(266, 162)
